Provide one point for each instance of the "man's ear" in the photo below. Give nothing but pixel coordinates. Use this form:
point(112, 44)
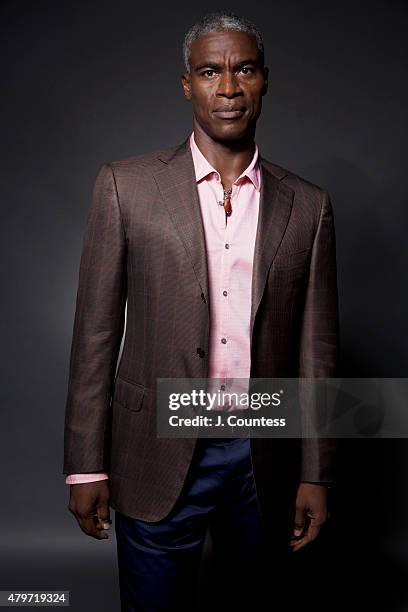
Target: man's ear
point(266, 74)
point(186, 82)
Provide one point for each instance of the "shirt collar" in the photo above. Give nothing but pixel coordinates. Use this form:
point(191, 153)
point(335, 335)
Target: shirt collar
point(203, 167)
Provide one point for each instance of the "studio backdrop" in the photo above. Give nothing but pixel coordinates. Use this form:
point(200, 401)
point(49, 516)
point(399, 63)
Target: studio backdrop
point(85, 83)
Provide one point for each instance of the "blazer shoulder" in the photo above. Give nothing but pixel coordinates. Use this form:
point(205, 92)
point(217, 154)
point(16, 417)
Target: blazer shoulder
point(290, 178)
point(305, 191)
point(141, 162)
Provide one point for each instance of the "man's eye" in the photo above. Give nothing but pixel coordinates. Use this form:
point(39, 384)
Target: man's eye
point(205, 73)
point(247, 69)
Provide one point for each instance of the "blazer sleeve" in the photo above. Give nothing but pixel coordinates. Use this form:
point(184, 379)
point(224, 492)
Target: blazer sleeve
point(97, 331)
point(319, 343)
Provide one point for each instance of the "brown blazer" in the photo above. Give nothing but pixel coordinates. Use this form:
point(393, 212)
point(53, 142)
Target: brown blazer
point(144, 243)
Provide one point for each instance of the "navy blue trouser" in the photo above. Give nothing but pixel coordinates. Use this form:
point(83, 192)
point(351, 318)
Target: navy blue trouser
point(159, 562)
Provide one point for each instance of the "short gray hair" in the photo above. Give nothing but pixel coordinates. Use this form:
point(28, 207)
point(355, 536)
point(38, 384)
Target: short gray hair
point(220, 22)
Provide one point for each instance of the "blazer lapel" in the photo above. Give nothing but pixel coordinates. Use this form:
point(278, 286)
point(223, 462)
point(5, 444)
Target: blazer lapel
point(275, 205)
point(176, 181)
point(178, 187)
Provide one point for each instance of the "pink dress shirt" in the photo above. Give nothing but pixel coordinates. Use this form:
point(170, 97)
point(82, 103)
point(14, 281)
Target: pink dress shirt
point(230, 249)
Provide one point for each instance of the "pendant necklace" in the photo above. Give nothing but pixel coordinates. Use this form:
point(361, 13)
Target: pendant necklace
point(227, 201)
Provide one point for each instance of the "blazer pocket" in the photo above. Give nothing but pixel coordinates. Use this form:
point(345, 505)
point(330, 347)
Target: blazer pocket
point(128, 394)
point(299, 257)
point(291, 260)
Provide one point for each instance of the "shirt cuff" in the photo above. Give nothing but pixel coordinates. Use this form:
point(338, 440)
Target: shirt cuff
point(79, 478)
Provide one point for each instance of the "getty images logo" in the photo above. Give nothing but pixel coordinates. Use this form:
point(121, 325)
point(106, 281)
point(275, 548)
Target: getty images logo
point(206, 400)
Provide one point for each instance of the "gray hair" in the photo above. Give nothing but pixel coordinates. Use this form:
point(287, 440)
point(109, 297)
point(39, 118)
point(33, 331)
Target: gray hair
point(220, 22)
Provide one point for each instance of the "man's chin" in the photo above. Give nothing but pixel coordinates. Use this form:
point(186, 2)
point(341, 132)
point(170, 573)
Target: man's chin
point(231, 132)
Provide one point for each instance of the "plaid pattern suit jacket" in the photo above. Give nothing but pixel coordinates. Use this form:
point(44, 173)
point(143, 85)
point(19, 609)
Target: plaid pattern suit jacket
point(144, 244)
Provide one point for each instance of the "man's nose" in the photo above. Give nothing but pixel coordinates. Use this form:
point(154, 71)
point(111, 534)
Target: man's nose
point(228, 85)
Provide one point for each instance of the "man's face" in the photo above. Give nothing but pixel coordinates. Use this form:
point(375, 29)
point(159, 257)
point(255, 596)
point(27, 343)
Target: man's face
point(226, 84)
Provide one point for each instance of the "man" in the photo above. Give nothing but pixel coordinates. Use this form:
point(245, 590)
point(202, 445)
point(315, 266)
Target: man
point(227, 264)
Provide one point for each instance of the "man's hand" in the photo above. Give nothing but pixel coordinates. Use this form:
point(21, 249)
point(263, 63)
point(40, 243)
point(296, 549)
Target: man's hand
point(311, 501)
point(89, 504)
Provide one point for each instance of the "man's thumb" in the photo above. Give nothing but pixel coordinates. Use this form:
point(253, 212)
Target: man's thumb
point(299, 522)
point(103, 515)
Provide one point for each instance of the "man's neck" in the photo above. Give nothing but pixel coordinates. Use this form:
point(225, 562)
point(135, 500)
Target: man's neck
point(229, 158)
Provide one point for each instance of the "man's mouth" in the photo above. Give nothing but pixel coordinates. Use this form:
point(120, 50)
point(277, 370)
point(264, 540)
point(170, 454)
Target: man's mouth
point(229, 111)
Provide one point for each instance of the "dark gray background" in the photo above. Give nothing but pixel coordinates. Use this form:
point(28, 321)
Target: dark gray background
point(89, 82)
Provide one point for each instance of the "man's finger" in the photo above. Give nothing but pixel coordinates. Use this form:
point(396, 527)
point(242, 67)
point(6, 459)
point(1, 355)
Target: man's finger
point(311, 533)
point(89, 526)
point(315, 524)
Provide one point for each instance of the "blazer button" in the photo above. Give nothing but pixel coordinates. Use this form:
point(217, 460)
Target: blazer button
point(203, 298)
point(201, 352)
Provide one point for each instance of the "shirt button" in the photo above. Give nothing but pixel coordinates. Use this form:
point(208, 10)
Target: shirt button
point(224, 340)
point(225, 293)
point(222, 388)
point(220, 202)
point(227, 246)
